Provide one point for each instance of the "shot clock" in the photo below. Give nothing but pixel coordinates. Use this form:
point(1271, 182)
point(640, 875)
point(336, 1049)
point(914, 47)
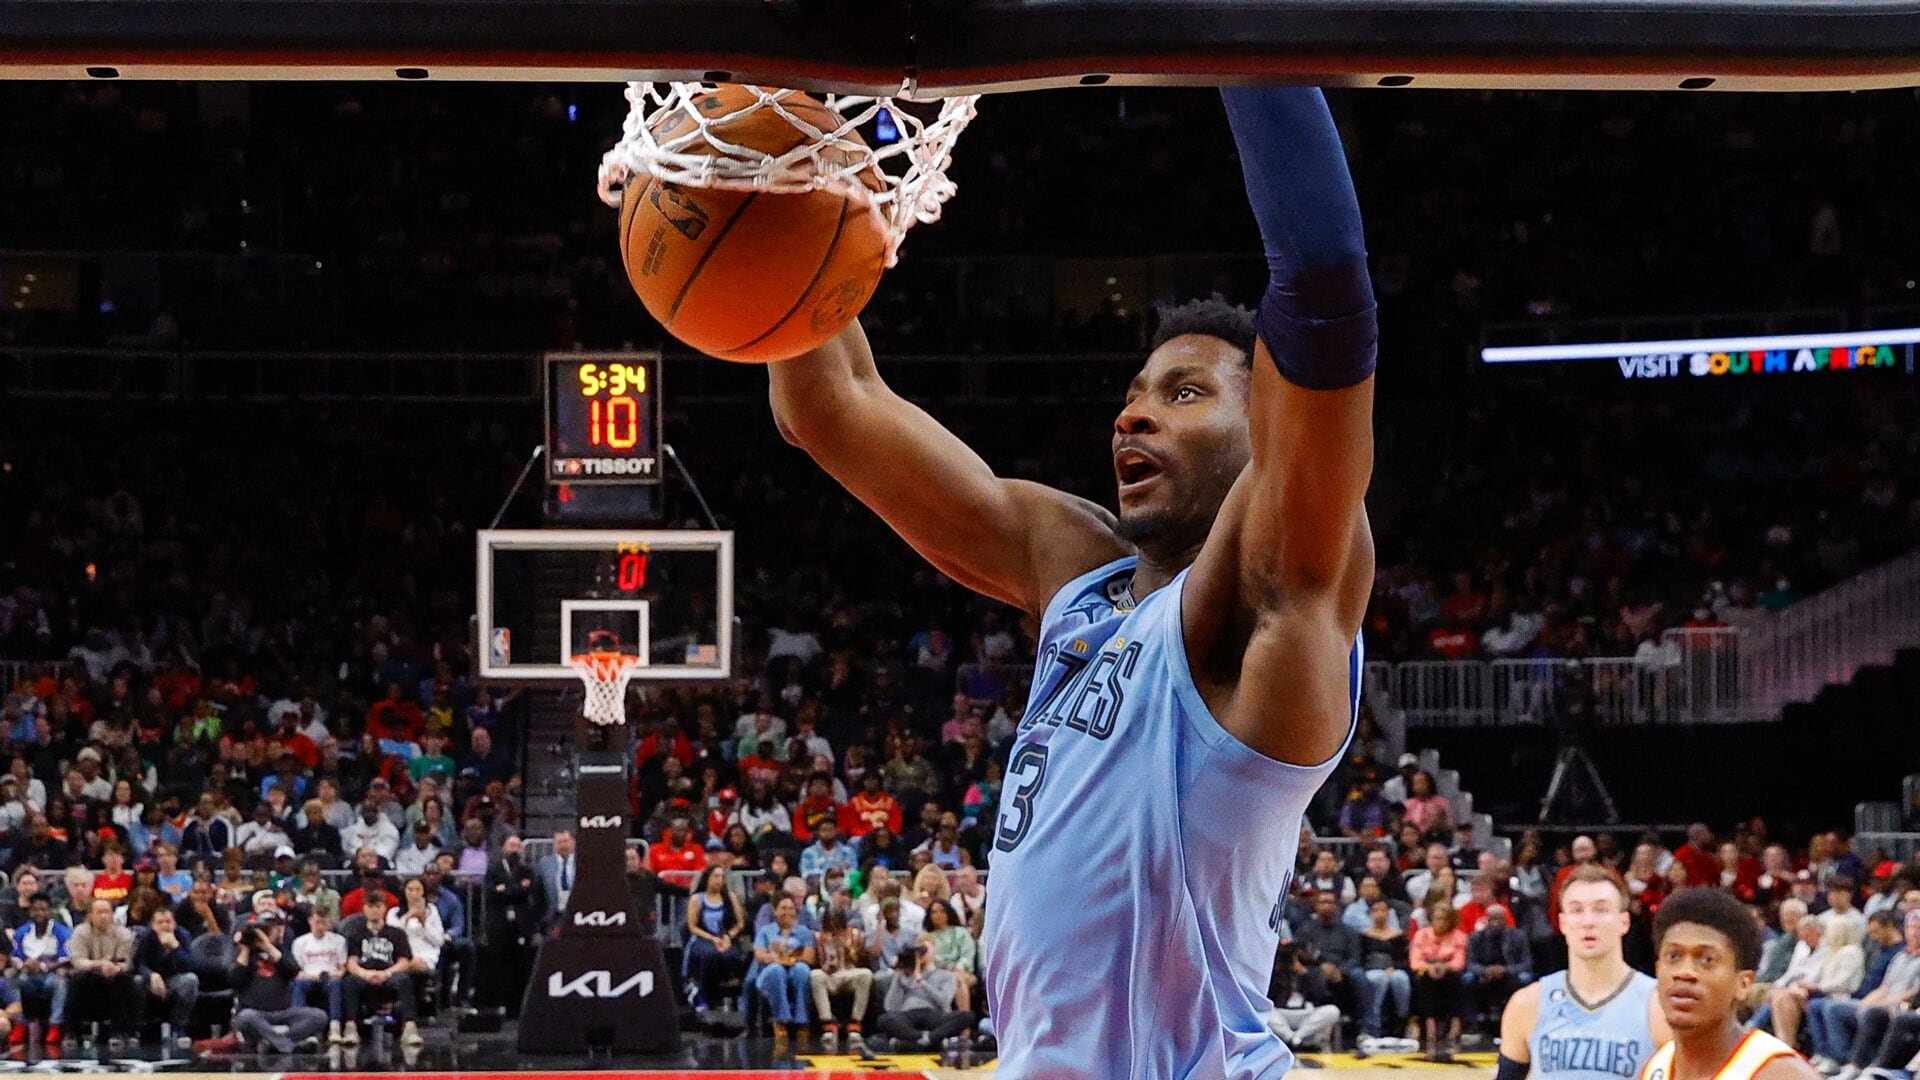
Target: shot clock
point(603, 418)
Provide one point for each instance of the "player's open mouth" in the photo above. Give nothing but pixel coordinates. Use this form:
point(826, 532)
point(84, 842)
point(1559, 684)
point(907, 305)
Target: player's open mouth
point(1134, 468)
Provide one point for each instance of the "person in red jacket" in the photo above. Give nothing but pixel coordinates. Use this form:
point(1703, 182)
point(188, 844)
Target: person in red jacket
point(1739, 874)
point(728, 801)
point(664, 737)
point(817, 807)
point(1699, 857)
point(396, 718)
point(870, 808)
point(677, 850)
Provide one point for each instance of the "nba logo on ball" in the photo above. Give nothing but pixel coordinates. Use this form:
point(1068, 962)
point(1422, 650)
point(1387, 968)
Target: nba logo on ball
point(500, 646)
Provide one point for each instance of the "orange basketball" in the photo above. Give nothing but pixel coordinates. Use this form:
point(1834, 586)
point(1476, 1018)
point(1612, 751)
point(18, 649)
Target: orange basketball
point(744, 275)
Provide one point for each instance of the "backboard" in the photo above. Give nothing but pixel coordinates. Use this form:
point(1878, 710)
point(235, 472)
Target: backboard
point(943, 49)
point(666, 596)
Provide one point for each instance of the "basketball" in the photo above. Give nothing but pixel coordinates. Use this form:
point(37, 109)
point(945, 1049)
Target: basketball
point(751, 276)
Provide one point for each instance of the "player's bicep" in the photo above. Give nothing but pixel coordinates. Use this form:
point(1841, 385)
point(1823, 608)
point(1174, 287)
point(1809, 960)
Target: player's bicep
point(1009, 539)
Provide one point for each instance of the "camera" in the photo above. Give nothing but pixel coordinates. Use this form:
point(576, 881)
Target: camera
point(909, 958)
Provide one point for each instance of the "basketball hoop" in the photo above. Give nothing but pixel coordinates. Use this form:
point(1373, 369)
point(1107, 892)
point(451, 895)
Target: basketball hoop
point(835, 159)
point(605, 676)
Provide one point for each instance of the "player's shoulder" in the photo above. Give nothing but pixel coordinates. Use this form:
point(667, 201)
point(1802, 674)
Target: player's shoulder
point(1068, 537)
point(1516, 1023)
point(1787, 1065)
point(1525, 1001)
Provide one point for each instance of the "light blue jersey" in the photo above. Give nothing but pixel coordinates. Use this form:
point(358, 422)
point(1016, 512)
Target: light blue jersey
point(1610, 1042)
point(1140, 859)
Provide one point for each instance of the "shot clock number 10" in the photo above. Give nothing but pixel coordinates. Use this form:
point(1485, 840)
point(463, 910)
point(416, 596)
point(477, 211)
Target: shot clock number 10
point(603, 418)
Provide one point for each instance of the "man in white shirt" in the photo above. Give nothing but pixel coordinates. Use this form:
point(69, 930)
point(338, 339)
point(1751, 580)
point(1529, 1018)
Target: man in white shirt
point(748, 724)
point(372, 830)
point(1397, 786)
point(380, 796)
point(321, 956)
point(13, 810)
point(1840, 907)
point(262, 834)
point(96, 787)
point(969, 895)
point(881, 885)
point(412, 860)
point(1419, 881)
point(32, 789)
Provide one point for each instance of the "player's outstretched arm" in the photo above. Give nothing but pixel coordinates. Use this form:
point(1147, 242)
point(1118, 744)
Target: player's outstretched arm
point(1015, 541)
point(1279, 590)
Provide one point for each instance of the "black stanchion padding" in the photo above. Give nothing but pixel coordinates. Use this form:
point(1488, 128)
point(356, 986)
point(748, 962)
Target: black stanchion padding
point(602, 979)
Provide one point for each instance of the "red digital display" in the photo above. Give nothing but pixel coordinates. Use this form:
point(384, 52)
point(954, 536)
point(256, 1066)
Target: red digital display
point(633, 571)
point(603, 419)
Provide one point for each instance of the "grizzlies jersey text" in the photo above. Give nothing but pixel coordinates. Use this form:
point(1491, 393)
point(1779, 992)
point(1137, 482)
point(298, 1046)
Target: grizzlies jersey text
point(1569, 1042)
point(1139, 853)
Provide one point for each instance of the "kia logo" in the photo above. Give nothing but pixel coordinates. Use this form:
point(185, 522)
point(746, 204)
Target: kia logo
point(599, 918)
point(602, 821)
point(599, 984)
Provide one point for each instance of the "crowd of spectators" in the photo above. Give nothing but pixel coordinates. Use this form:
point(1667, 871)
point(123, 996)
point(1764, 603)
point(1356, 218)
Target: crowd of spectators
point(1400, 942)
point(444, 216)
point(166, 825)
point(1540, 526)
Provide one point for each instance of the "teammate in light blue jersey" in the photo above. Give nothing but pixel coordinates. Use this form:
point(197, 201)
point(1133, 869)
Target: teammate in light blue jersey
point(1597, 1020)
point(1199, 661)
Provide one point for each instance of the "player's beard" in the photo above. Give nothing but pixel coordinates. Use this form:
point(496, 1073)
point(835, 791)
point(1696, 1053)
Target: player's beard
point(1143, 527)
point(1162, 534)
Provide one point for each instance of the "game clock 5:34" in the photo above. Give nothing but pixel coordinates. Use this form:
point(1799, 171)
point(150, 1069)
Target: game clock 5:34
point(603, 418)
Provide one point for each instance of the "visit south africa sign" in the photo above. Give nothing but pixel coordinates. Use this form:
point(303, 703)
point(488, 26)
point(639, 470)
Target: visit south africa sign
point(1783, 355)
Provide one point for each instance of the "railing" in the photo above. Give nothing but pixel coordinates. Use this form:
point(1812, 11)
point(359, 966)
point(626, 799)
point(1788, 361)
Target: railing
point(1729, 674)
point(1693, 678)
point(1710, 667)
point(1901, 846)
point(1443, 693)
point(11, 672)
point(1828, 637)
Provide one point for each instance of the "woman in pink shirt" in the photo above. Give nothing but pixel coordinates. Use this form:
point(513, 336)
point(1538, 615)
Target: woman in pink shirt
point(1425, 808)
point(1438, 955)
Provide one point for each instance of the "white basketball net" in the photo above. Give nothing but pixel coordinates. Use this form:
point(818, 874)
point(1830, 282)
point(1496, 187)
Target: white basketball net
point(915, 187)
point(605, 676)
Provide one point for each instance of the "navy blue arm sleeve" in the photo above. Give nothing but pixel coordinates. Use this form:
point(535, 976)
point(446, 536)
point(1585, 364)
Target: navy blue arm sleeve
point(1318, 316)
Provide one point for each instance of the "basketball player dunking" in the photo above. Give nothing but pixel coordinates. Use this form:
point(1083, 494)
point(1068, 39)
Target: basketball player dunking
point(1598, 1019)
point(1706, 947)
point(1198, 670)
